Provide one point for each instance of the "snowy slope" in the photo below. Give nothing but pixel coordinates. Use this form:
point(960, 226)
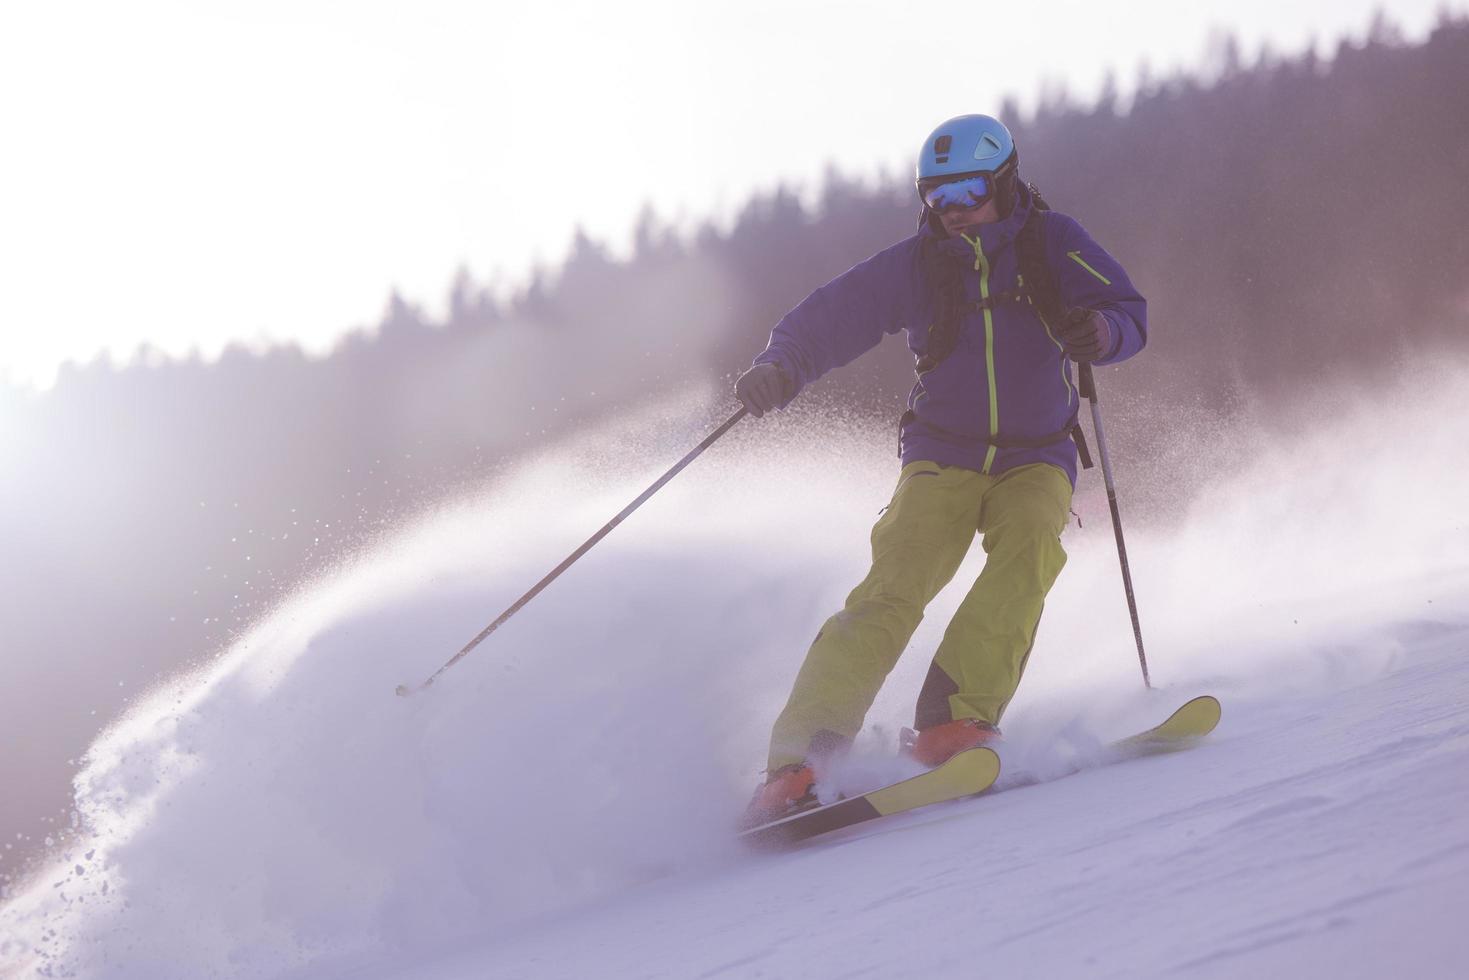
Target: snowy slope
point(1321, 838)
point(558, 804)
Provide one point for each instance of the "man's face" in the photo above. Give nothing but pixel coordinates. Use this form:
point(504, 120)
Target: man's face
point(963, 221)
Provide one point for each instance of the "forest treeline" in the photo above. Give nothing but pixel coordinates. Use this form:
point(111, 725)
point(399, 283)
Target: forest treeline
point(1289, 220)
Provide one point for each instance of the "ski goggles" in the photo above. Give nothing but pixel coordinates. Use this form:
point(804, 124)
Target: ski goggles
point(966, 192)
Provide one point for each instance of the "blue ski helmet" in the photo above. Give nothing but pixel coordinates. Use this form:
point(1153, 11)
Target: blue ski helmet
point(969, 146)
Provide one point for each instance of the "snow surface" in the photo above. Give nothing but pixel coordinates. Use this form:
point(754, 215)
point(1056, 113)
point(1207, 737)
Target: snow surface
point(558, 805)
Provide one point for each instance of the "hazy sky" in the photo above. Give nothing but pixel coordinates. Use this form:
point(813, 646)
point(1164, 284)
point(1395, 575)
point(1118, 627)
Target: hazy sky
point(188, 173)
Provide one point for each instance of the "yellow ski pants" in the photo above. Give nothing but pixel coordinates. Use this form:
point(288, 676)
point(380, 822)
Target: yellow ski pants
point(917, 546)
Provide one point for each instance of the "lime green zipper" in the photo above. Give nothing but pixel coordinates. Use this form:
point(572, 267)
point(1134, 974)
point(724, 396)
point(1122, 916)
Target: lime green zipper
point(1065, 378)
point(1076, 257)
point(982, 266)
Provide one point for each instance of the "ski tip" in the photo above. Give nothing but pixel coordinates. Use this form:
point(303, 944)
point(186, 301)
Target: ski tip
point(976, 761)
point(1195, 719)
point(1206, 708)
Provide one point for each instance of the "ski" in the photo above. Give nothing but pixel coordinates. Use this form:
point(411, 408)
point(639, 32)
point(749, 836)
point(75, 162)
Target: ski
point(966, 774)
point(970, 773)
point(1182, 729)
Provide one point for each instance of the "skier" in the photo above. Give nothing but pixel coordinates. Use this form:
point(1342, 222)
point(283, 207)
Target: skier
point(987, 446)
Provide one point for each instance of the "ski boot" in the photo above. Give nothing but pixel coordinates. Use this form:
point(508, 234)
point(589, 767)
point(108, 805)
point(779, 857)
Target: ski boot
point(789, 789)
point(937, 744)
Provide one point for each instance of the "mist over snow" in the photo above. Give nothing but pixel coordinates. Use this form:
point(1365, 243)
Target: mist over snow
point(282, 813)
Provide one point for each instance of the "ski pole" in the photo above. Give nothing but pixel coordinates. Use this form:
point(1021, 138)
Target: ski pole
point(1088, 386)
point(404, 690)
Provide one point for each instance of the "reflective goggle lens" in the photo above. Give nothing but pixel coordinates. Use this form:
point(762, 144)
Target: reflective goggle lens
point(970, 192)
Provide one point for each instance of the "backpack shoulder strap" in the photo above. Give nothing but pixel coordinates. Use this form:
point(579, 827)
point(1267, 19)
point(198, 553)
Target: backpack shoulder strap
point(1037, 280)
point(1038, 283)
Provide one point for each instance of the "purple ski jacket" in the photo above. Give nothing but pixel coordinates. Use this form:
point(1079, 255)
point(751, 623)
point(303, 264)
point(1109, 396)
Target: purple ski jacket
point(1007, 379)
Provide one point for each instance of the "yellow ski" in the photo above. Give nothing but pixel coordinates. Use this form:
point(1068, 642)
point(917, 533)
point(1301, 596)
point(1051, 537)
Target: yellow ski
point(1183, 728)
point(967, 774)
point(971, 771)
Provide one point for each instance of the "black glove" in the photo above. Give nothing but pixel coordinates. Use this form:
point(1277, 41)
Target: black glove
point(1085, 334)
point(762, 388)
